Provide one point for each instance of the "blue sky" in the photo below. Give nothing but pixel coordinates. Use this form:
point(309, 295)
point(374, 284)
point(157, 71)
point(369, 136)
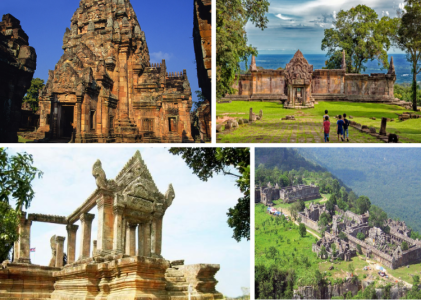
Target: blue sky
point(195, 226)
point(168, 26)
point(300, 24)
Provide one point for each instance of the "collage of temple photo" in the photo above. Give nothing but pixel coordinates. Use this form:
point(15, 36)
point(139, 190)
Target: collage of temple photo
point(159, 150)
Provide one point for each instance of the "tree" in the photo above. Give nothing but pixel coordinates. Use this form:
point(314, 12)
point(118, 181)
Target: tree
point(207, 161)
point(330, 206)
point(404, 246)
point(32, 93)
point(302, 205)
point(377, 217)
point(360, 251)
point(361, 236)
point(294, 209)
point(351, 268)
point(200, 100)
point(323, 252)
point(231, 38)
point(9, 221)
point(359, 32)
point(352, 198)
point(336, 188)
point(363, 205)
point(407, 37)
point(303, 230)
point(16, 175)
point(343, 236)
point(333, 246)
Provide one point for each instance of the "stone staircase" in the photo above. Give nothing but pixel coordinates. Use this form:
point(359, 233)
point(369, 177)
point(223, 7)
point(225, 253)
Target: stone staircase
point(177, 286)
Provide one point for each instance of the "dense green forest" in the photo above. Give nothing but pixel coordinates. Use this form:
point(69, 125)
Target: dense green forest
point(273, 164)
point(388, 176)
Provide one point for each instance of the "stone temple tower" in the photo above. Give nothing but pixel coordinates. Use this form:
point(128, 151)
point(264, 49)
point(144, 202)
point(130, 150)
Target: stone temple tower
point(104, 88)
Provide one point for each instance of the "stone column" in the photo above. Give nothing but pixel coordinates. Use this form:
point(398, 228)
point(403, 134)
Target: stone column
point(147, 239)
point(383, 126)
point(94, 243)
point(118, 233)
point(24, 240)
point(126, 231)
point(158, 239)
point(131, 239)
point(140, 240)
point(59, 251)
point(105, 223)
point(71, 243)
point(86, 226)
point(153, 237)
point(123, 88)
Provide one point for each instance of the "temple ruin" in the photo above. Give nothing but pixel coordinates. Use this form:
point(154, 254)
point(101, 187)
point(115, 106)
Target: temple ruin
point(289, 194)
point(116, 265)
point(18, 62)
point(383, 247)
point(105, 89)
point(299, 86)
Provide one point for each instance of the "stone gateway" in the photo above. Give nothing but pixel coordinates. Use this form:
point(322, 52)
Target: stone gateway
point(105, 89)
point(125, 261)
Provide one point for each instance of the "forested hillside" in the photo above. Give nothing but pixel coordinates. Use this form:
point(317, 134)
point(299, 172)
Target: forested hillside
point(285, 159)
point(390, 177)
point(276, 165)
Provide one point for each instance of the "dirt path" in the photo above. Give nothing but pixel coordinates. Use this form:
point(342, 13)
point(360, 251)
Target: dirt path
point(286, 212)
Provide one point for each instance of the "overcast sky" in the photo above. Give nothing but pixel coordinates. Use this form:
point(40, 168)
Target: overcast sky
point(300, 24)
point(195, 226)
point(168, 26)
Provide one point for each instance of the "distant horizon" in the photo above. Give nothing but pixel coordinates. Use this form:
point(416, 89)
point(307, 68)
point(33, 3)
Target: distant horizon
point(300, 24)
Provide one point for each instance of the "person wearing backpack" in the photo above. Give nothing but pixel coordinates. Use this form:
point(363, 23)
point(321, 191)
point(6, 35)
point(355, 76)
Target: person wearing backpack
point(340, 129)
point(346, 125)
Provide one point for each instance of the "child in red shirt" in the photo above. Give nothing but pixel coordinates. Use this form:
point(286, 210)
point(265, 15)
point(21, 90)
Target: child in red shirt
point(326, 128)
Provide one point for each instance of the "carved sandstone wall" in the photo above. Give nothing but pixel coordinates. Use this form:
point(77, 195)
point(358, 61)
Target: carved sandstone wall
point(104, 88)
point(202, 39)
point(17, 67)
point(326, 85)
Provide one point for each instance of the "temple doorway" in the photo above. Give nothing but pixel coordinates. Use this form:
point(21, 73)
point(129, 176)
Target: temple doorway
point(66, 121)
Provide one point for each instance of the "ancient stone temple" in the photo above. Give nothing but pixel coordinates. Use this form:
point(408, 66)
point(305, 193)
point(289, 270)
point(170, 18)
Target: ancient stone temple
point(104, 88)
point(299, 192)
point(125, 261)
point(384, 247)
point(202, 37)
point(299, 86)
point(17, 67)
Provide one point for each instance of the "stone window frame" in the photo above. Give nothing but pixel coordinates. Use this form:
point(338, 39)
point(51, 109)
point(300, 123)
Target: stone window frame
point(151, 124)
point(92, 119)
point(169, 117)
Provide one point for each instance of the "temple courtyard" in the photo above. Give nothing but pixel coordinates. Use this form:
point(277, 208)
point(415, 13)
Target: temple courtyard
point(307, 126)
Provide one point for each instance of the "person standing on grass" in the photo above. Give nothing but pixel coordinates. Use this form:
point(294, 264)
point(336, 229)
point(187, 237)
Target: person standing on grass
point(326, 128)
point(326, 115)
point(340, 129)
point(346, 125)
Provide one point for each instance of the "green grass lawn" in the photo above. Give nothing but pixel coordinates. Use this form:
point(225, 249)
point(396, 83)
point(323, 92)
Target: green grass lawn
point(307, 126)
point(404, 273)
point(292, 249)
point(23, 140)
point(279, 203)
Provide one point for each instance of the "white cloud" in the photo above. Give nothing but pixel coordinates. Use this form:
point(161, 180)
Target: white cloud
point(281, 17)
point(159, 56)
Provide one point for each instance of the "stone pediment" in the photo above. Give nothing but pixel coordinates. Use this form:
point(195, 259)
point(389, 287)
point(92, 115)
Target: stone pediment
point(298, 70)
